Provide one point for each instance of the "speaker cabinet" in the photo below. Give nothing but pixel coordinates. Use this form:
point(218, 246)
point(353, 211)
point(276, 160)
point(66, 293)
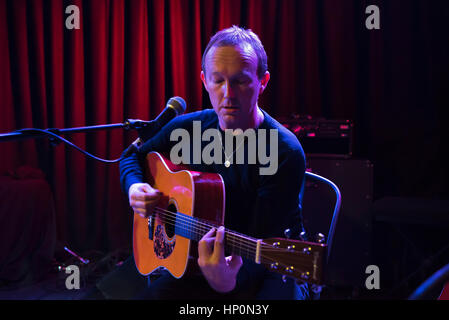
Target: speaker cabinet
point(411, 237)
point(350, 252)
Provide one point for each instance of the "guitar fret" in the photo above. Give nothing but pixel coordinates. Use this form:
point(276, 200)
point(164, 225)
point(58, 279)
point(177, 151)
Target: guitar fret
point(194, 229)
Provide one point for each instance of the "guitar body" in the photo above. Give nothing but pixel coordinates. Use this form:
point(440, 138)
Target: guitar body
point(196, 194)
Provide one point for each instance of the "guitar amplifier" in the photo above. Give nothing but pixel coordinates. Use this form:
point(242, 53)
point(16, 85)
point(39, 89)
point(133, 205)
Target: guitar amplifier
point(322, 137)
point(351, 249)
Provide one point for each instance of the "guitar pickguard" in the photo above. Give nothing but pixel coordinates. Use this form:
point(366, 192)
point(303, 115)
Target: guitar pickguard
point(163, 246)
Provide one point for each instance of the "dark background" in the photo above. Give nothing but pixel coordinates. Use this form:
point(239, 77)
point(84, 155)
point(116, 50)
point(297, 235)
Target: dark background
point(129, 58)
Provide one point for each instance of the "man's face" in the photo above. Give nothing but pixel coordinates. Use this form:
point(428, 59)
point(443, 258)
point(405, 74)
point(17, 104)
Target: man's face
point(231, 80)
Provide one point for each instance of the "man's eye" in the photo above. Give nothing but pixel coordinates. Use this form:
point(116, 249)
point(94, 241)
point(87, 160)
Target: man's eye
point(242, 81)
point(218, 80)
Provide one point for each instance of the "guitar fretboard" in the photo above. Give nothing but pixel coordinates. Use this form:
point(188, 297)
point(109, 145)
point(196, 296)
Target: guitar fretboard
point(194, 229)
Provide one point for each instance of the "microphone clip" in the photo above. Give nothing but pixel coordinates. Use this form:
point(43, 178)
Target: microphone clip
point(136, 124)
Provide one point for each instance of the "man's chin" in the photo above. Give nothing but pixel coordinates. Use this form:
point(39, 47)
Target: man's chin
point(230, 121)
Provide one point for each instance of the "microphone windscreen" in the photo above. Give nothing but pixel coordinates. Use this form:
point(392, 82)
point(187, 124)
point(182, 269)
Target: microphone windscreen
point(178, 104)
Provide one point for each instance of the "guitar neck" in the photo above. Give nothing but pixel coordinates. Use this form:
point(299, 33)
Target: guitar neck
point(194, 229)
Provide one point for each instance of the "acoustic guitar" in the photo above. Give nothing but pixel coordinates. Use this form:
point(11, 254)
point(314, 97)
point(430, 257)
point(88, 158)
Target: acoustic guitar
point(191, 204)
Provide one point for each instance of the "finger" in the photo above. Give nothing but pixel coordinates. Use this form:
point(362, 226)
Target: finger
point(146, 188)
point(234, 262)
point(219, 244)
point(205, 249)
point(144, 196)
point(149, 205)
point(142, 206)
point(210, 234)
point(141, 212)
point(205, 245)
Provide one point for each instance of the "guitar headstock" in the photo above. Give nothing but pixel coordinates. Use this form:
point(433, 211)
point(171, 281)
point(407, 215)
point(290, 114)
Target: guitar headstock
point(297, 259)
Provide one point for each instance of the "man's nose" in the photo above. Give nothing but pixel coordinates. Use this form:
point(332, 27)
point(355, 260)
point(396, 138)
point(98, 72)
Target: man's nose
point(228, 90)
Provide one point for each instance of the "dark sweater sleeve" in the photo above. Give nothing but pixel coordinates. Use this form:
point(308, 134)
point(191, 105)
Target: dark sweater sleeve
point(130, 171)
point(131, 168)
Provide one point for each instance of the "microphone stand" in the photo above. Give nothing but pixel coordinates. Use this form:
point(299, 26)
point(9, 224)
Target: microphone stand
point(41, 133)
point(54, 134)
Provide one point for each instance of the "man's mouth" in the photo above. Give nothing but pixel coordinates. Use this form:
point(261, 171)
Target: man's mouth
point(230, 110)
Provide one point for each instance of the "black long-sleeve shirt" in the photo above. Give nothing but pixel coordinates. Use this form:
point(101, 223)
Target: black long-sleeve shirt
point(260, 206)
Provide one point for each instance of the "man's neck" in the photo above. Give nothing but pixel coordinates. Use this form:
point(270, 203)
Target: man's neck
point(259, 118)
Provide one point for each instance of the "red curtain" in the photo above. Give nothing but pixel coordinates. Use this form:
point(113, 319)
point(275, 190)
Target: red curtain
point(129, 57)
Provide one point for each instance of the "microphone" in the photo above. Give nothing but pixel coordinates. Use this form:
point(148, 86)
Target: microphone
point(147, 129)
point(174, 107)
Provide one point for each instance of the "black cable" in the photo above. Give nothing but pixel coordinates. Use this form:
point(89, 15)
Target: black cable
point(54, 135)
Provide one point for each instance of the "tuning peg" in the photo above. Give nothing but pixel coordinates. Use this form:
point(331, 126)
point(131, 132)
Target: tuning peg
point(274, 265)
point(287, 233)
point(307, 250)
point(289, 269)
point(284, 278)
point(305, 275)
point(303, 236)
point(320, 238)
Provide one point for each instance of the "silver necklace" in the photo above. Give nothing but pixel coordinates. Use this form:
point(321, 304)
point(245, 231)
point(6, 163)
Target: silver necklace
point(227, 163)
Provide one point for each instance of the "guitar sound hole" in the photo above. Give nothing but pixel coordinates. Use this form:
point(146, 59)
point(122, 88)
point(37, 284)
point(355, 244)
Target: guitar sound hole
point(170, 224)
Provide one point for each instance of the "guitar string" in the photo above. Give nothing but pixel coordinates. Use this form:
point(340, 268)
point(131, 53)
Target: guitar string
point(206, 224)
point(208, 227)
point(189, 226)
point(205, 227)
point(267, 259)
point(251, 250)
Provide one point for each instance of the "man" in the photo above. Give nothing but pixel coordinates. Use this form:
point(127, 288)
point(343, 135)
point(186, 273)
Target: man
point(234, 74)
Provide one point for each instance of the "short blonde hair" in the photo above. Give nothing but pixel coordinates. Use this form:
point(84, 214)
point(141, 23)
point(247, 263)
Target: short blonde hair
point(235, 36)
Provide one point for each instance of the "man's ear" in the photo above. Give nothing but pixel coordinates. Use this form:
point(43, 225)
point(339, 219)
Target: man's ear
point(203, 79)
point(264, 82)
